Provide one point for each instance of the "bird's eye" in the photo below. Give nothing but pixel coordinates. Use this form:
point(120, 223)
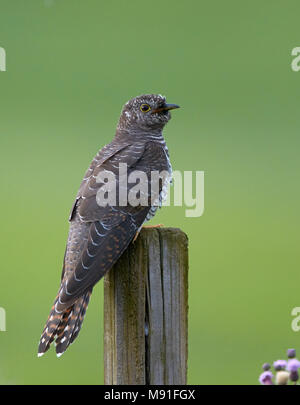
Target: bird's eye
point(145, 107)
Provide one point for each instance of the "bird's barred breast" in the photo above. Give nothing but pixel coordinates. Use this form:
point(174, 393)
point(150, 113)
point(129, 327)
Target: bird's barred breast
point(164, 191)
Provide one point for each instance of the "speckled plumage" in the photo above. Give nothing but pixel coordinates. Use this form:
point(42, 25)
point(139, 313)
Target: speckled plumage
point(99, 235)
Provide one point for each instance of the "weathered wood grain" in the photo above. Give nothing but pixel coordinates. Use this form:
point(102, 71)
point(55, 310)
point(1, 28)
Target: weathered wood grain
point(145, 311)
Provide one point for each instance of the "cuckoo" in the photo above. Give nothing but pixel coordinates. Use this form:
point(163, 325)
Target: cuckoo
point(101, 228)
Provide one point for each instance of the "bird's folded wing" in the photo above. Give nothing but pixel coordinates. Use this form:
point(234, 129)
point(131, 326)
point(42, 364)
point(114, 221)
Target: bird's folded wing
point(103, 155)
point(112, 227)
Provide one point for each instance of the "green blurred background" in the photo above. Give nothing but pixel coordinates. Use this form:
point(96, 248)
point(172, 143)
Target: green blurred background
point(71, 65)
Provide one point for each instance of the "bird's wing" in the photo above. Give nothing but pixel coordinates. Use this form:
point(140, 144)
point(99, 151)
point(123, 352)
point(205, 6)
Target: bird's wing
point(112, 227)
point(104, 154)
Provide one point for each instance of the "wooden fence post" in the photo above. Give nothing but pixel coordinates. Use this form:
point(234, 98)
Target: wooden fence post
point(145, 311)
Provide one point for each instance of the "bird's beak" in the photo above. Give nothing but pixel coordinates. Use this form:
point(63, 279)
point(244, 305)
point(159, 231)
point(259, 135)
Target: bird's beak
point(166, 107)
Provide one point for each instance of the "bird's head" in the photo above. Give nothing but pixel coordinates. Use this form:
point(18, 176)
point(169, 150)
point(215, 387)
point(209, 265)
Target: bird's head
point(146, 113)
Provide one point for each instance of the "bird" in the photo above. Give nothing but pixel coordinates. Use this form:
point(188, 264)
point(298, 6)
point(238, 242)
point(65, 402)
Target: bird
point(99, 233)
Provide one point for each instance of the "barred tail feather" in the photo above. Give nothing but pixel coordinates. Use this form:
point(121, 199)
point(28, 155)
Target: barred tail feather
point(50, 330)
point(70, 329)
point(64, 326)
point(85, 303)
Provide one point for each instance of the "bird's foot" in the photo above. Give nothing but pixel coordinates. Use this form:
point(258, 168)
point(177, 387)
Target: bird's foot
point(148, 227)
point(136, 235)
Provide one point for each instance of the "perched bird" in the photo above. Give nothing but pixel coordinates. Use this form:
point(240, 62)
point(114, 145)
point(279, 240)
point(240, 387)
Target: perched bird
point(99, 234)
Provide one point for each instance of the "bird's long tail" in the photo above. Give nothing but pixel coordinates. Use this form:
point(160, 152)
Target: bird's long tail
point(64, 327)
